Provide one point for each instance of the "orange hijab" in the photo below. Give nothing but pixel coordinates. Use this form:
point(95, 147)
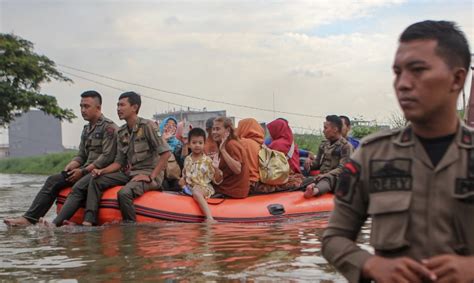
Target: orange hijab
point(251, 136)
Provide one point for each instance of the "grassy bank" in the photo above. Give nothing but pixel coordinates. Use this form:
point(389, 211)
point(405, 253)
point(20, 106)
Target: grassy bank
point(308, 142)
point(44, 164)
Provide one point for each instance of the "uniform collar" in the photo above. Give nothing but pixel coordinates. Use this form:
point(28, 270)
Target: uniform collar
point(464, 136)
point(338, 141)
point(405, 137)
point(98, 123)
point(137, 125)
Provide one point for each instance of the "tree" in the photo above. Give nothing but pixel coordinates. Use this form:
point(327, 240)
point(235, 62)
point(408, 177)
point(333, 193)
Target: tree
point(397, 120)
point(21, 73)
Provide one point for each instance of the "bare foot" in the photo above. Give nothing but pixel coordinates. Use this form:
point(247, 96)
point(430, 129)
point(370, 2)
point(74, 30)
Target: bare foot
point(44, 222)
point(310, 192)
point(16, 222)
point(86, 223)
point(69, 223)
point(211, 221)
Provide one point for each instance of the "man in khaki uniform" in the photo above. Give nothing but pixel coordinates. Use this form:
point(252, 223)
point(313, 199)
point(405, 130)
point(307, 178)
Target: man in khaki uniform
point(96, 150)
point(416, 183)
point(333, 153)
point(142, 155)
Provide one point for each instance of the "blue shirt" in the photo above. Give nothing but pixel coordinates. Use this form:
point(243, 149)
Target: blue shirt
point(355, 142)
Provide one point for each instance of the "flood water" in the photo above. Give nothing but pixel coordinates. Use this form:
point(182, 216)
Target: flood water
point(286, 251)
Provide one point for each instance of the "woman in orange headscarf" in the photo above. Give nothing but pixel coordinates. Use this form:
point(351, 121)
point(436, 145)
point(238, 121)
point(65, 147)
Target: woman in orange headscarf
point(251, 136)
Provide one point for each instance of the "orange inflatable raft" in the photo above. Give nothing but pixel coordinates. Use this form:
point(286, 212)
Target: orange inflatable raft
point(171, 206)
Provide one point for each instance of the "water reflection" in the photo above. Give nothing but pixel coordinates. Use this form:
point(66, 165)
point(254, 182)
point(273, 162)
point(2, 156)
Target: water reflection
point(284, 251)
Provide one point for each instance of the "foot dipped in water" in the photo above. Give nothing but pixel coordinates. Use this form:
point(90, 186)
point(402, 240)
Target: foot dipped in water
point(311, 191)
point(210, 221)
point(87, 223)
point(69, 223)
point(17, 222)
point(45, 223)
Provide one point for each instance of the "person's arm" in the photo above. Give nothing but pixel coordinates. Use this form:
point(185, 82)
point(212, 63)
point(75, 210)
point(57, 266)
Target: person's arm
point(119, 161)
point(339, 239)
point(160, 147)
point(114, 167)
point(346, 151)
point(81, 156)
point(109, 149)
point(161, 165)
point(349, 214)
point(317, 160)
point(234, 165)
point(451, 268)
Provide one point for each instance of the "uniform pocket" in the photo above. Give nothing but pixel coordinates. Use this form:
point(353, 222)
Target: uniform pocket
point(463, 225)
point(141, 151)
point(390, 217)
point(96, 145)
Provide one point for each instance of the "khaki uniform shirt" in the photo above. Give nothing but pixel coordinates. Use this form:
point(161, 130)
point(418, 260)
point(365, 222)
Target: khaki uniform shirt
point(417, 210)
point(139, 150)
point(331, 158)
point(98, 144)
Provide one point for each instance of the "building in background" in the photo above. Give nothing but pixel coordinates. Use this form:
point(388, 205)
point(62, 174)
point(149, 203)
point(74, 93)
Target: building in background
point(4, 151)
point(34, 133)
point(196, 118)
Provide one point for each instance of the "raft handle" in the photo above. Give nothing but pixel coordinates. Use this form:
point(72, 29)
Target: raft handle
point(276, 209)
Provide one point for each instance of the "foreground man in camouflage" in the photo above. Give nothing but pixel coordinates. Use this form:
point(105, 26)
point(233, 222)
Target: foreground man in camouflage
point(141, 154)
point(97, 150)
point(417, 183)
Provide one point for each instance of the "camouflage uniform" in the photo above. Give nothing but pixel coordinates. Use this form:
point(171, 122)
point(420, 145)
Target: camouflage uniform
point(330, 161)
point(417, 210)
point(98, 146)
point(138, 152)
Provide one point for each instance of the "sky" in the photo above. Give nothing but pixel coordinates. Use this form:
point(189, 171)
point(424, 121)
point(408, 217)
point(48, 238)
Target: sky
point(260, 59)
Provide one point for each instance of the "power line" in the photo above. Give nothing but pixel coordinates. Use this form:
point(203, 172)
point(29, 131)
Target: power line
point(157, 99)
point(190, 96)
point(123, 90)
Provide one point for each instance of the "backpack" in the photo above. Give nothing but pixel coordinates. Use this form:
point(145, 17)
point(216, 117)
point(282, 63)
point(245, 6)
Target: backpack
point(273, 166)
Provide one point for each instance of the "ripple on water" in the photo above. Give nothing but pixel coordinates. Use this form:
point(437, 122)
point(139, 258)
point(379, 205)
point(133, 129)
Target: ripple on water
point(284, 251)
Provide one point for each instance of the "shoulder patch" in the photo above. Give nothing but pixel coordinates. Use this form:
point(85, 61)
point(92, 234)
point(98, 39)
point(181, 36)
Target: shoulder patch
point(107, 120)
point(109, 131)
point(466, 137)
point(153, 124)
point(347, 182)
point(379, 136)
point(346, 148)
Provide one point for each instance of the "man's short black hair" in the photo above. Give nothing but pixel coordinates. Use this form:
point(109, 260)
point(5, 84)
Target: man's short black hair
point(133, 98)
point(197, 132)
point(335, 120)
point(93, 94)
point(452, 42)
point(345, 118)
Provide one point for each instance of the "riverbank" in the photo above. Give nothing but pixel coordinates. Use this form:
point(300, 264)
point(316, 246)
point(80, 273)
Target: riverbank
point(42, 165)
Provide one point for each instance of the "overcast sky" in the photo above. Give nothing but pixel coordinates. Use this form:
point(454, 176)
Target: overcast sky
point(313, 57)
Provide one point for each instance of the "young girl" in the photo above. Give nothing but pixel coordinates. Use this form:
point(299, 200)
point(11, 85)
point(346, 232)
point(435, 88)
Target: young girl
point(199, 172)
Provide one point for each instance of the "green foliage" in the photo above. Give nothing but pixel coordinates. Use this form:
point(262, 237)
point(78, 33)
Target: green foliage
point(43, 164)
point(309, 142)
point(21, 73)
point(461, 113)
point(359, 132)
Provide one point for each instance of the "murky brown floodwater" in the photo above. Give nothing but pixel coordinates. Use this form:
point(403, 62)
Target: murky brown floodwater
point(288, 251)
